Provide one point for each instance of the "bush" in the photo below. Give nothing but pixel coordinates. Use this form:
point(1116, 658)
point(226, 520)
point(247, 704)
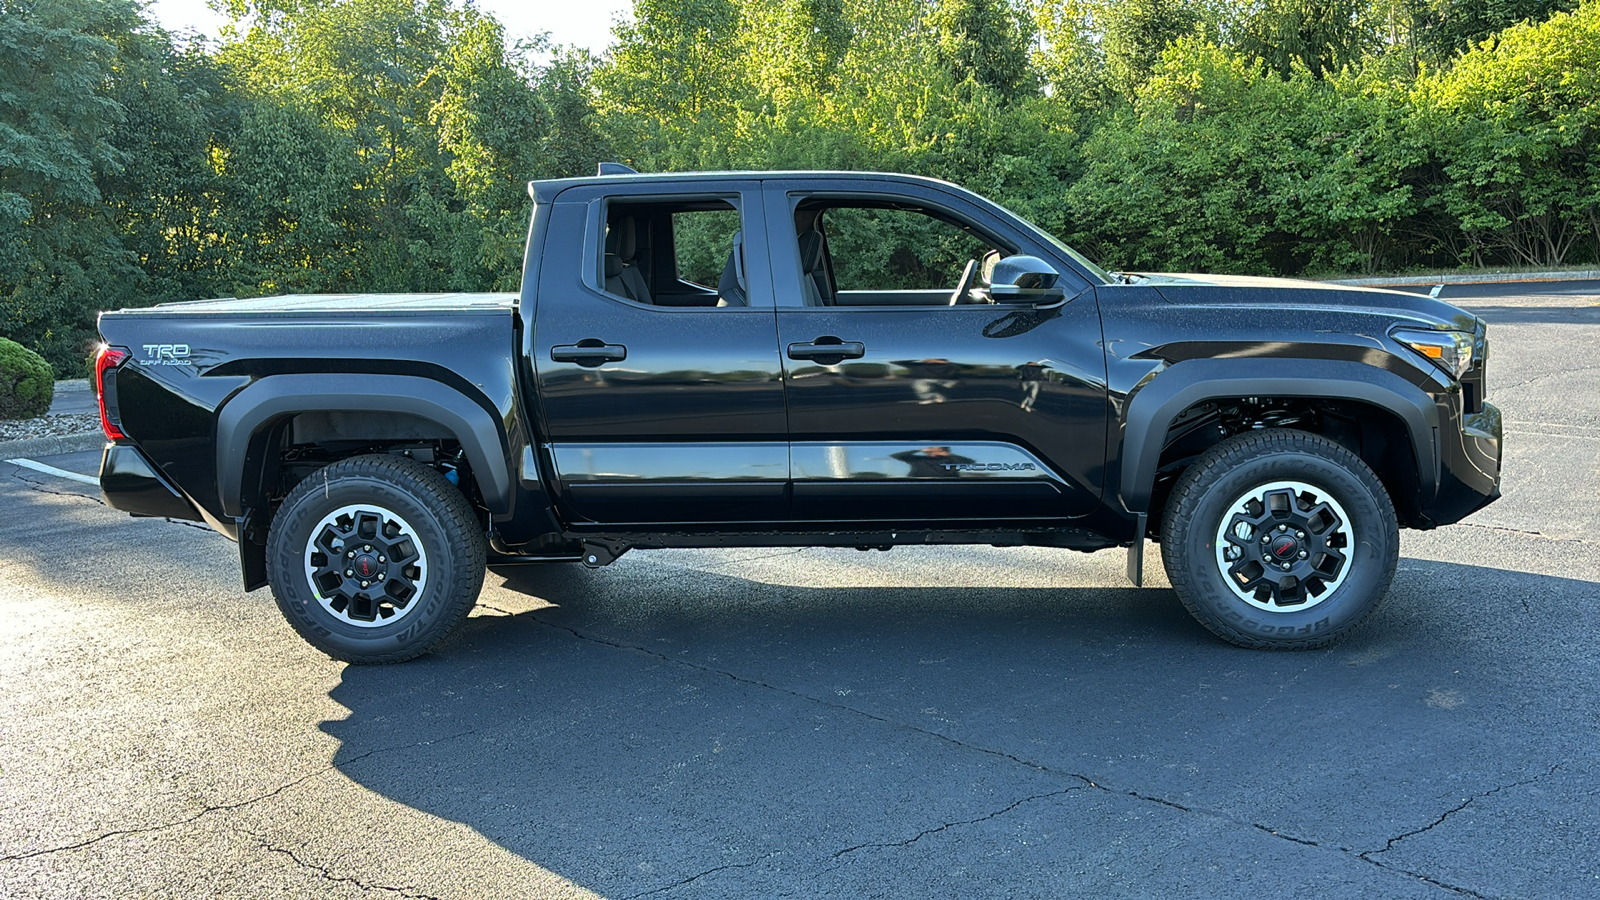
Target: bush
point(27, 383)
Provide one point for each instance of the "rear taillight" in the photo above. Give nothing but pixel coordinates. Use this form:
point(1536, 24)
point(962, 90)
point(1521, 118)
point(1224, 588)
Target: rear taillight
point(106, 364)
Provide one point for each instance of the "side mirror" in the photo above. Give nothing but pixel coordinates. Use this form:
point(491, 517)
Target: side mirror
point(1024, 279)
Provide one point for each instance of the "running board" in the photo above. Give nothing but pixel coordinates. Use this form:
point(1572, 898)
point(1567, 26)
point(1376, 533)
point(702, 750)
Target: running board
point(602, 549)
point(518, 559)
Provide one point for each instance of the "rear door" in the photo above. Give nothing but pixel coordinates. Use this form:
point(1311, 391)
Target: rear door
point(660, 406)
point(904, 406)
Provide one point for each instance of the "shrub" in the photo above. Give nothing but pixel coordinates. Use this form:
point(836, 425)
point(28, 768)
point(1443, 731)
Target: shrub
point(27, 383)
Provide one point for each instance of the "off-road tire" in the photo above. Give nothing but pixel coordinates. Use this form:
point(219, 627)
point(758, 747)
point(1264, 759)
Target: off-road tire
point(1208, 493)
point(434, 512)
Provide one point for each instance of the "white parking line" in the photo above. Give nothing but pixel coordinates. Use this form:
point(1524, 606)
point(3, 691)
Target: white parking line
point(52, 470)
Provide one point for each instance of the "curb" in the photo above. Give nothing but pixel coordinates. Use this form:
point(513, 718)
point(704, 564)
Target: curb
point(51, 446)
point(1473, 278)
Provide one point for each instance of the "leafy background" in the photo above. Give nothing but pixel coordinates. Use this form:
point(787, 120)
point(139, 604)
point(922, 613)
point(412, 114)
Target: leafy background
point(384, 145)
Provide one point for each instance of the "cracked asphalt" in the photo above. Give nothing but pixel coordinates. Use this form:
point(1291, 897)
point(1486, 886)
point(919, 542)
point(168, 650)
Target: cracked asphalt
point(964, 722)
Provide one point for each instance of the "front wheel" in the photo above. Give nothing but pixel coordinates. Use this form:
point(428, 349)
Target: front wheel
point(375, 559)
point(1280, 539)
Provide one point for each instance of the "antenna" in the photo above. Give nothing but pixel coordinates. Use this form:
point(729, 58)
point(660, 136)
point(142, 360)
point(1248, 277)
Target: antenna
point(616, 168)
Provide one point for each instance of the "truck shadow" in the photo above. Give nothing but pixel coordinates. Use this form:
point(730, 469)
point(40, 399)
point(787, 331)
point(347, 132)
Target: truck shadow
point(768, 732)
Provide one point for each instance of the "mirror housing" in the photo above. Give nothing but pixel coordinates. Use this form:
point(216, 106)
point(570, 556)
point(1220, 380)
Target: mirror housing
point(1024, 279)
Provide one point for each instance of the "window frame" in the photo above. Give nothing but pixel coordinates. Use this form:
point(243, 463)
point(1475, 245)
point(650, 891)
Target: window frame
point(745, 197)
point(928, 211)
point(785, 196)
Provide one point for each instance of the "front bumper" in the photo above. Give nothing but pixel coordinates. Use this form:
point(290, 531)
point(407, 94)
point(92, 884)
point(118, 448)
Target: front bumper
point(1469, 467)
point(131, 483)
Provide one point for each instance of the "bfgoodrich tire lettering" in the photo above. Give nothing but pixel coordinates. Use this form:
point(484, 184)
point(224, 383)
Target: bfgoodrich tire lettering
point(375, 559)
point(1302, 527)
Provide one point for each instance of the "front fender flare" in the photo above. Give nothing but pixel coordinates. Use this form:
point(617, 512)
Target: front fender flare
point(241, 421)
point(1151, 410)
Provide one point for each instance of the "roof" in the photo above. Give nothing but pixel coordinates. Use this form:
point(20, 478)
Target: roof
point(552, 186)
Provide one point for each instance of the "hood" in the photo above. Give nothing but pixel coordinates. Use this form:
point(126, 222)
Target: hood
point(1246, 291)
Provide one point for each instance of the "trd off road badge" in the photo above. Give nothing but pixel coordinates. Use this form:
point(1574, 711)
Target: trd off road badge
point(166, 355)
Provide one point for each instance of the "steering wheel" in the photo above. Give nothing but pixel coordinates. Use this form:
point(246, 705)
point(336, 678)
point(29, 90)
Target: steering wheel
point(969, 275)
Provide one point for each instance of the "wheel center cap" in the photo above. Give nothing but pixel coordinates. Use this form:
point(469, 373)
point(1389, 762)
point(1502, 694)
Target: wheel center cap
point(367, 566)
point(1285, 547)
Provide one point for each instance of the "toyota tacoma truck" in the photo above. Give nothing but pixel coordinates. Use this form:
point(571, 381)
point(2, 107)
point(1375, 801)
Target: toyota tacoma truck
point(801, 359)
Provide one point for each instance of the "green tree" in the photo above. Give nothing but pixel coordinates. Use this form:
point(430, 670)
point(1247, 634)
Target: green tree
point(1070, 57)
point(292, 217)
point(1322, 36)
point(1133, 34)
point(1364, 196)
point(370, 69)
point(565, 85)
point(1448, 27)
point(61, 258)
point(793, 47)
point(1513, 125)
point(166, 197)
point(490, 127)
point(1207, 174)
point(672, 89)
point(985, 41)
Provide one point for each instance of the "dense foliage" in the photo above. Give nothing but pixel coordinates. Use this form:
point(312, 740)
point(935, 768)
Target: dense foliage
point(340, 145)
point(26, 383)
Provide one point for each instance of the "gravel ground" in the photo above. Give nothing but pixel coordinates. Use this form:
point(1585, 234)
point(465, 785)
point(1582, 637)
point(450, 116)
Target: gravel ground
point(49, 426)
point(66, 416)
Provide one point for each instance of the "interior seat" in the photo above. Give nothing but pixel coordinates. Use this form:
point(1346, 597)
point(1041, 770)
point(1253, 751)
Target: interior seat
point(622, 274)
point(816, 283)
point(733, 287)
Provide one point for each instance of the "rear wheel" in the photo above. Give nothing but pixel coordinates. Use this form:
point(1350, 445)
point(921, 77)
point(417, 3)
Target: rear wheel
point(375, 559)
point(1280, 540)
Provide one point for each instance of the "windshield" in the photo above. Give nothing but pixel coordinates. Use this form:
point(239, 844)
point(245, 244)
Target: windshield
point(1056, 242)
point(1082, 260)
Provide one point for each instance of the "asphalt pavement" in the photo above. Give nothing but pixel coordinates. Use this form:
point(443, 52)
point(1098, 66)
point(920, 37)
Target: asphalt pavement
point(958, 722)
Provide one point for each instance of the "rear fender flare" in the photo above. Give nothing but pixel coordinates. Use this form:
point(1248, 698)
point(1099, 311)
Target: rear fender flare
point(1152, 409)
point(243, 423)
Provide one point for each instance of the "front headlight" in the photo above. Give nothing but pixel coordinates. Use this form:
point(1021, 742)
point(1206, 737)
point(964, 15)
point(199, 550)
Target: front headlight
point(1449, 350)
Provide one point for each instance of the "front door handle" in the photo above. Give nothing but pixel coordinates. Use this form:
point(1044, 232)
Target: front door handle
point(589, 352)
point(828, 350)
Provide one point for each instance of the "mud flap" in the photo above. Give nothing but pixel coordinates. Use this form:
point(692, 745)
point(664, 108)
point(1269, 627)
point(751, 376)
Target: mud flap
point(1136, 553)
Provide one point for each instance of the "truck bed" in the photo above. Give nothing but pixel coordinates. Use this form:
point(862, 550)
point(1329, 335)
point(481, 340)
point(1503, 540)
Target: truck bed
point(336, 303)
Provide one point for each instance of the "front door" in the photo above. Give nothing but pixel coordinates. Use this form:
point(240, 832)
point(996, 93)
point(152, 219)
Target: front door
point(911, 396)
point(656, 359)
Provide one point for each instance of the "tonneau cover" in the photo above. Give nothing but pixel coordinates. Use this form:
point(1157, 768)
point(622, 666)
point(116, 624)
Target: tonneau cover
point(341, 303)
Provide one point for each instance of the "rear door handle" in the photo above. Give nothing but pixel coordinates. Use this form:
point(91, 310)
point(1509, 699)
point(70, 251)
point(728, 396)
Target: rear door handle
point(589, 352)
point(828, 350)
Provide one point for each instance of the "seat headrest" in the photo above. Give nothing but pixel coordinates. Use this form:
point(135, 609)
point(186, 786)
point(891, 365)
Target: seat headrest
point(613, 240)
point(627, 238)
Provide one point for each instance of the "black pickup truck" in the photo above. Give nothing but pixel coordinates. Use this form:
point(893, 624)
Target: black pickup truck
point(801, 359)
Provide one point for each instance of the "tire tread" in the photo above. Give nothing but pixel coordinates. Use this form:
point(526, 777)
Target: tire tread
point(446, 501)
point(1217, 462)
